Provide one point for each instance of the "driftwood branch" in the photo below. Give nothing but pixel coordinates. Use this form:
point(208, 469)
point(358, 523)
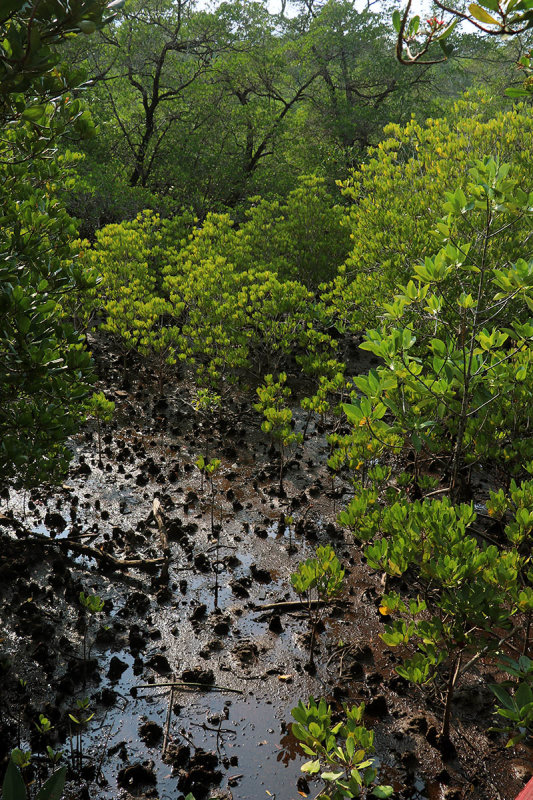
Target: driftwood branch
point(157, 511)
point(204, 687)
point(99, 555)
point(286, 606)
point(93, 552)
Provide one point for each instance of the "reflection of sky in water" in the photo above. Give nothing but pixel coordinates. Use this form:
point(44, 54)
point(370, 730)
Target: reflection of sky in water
point(255, 731)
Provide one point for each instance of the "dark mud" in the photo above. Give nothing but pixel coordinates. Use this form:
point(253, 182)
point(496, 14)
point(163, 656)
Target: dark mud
point(229, 736)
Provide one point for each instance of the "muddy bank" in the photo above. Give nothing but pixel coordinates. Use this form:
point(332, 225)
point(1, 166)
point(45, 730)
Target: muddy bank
point(185, 582)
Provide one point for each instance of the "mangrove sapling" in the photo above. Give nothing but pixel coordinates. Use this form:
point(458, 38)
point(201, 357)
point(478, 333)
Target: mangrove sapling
point(339, 751)
point(101, 409)
point(91, 605)
point(278, 418)
point(318, 579)
point(44, 728)
point(200, 463)
point(210, 468)
point(291, 547)
point(320, 402)
point(467, 589)
point(456, 339)
point(285, 524)
point(81, 718)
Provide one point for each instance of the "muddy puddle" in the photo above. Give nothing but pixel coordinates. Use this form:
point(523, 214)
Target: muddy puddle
point(231, 554)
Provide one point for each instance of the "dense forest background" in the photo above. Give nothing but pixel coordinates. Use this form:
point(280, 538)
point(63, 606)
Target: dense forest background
point(207, 109)
point(190, 111)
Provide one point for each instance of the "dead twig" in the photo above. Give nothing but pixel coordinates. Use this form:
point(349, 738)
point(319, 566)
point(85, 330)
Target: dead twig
point(167, 721)
point(205, 687)
point(158, 516)
point(286, 606)
point(100, 555)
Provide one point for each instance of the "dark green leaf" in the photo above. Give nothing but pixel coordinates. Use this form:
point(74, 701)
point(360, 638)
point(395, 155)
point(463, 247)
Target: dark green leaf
point(13, 786)
point(53, 788)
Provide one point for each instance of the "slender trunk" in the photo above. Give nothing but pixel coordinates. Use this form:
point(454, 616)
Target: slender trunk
point(528, 629)
point(138, 174)
point(312, 644)
point(307, 421)
point(458, 449)
point(454, 672)
point(71, 747)
point(212, 509)
point(468, 356)
point(217, 550)
point(99, 430)
point(85, 657)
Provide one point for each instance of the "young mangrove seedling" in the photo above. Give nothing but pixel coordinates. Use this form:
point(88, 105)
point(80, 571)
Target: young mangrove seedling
point(291, 547)
point(101, 409)
point(44, 727)
point(318, 580)
point(80, 719)
point(91, 605)
point(210, 468)
point(339, 751)
point(278, 418)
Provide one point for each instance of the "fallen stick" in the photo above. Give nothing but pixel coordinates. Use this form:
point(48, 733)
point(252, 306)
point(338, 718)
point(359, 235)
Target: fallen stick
point(158, 516)
point(287, 606)
point(167, 721)
point(189, 685)
point(99, 555)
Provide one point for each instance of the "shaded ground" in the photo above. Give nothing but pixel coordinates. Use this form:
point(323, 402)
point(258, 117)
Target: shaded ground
point(218, 743)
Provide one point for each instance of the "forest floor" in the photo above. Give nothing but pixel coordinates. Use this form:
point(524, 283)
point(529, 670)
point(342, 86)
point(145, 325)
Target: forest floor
point(229, 737)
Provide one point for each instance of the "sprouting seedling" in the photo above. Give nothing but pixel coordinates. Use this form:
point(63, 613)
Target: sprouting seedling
point(200, 463)
point(44, 725)
point(210, 468)
point(92, 604)
point(21, 758)
point(291, 547)
point(277, 417)
point(53, 755)
point(81, 718)
point(102, 410)
point(318, 580)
